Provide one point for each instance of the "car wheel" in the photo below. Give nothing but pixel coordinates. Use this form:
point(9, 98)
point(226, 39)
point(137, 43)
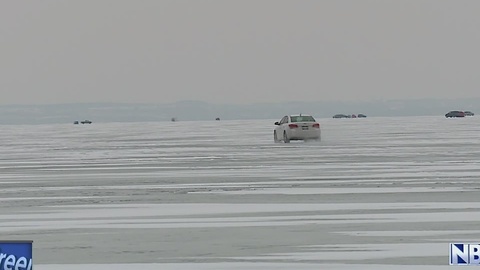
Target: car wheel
point(275, 139)
point(285, 137)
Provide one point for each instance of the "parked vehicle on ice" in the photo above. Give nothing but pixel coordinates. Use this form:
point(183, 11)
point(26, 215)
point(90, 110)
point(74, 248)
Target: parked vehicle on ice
point(452, 114)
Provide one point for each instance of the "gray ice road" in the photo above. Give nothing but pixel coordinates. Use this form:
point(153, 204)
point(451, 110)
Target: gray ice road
point(222, 195)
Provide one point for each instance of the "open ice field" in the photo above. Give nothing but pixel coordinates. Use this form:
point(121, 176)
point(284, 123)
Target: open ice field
point(376, 193)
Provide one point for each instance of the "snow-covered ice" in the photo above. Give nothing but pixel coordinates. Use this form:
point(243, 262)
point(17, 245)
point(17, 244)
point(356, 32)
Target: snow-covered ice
point(376, 193)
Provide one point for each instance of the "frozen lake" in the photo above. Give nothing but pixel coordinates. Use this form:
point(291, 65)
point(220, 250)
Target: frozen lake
point(376, 193)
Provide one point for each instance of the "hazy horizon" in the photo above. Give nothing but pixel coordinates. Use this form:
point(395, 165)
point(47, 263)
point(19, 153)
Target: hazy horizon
point(237, 52)
point(199, 110)
point(193, 101)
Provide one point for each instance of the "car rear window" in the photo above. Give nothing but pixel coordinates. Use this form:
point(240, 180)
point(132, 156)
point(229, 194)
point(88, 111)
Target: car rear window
point(302, 119)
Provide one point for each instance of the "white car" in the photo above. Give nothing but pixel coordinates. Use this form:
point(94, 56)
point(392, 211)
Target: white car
point(297, 127)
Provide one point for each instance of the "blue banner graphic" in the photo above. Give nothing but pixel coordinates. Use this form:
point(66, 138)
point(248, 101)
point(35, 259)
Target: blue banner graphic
point(16, 255)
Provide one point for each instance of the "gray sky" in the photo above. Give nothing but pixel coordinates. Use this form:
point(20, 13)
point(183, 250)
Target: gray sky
point(242, 51)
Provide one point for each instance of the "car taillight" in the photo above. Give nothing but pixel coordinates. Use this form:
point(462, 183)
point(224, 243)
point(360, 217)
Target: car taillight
point(316, 125)
point(293, 126)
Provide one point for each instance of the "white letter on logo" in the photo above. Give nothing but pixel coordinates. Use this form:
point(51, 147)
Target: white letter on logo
point(459, 254)
point(21, 263)
point(29, 264)
point(2, 256)
point(474, 254)
point(9, 262)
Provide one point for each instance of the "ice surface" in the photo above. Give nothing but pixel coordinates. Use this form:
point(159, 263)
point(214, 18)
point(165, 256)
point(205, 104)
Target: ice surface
point(377, 193)
point(242, 266)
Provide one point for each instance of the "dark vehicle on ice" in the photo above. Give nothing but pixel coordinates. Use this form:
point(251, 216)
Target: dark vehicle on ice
point(452, 114)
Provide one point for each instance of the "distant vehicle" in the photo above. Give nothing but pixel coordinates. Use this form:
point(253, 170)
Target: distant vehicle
point(452, 114)
point(174, 119)
point(75, 123)
point(296, 127)
point(86, 122)
point(349, 116)
point(469, 113)
point(218, 118)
